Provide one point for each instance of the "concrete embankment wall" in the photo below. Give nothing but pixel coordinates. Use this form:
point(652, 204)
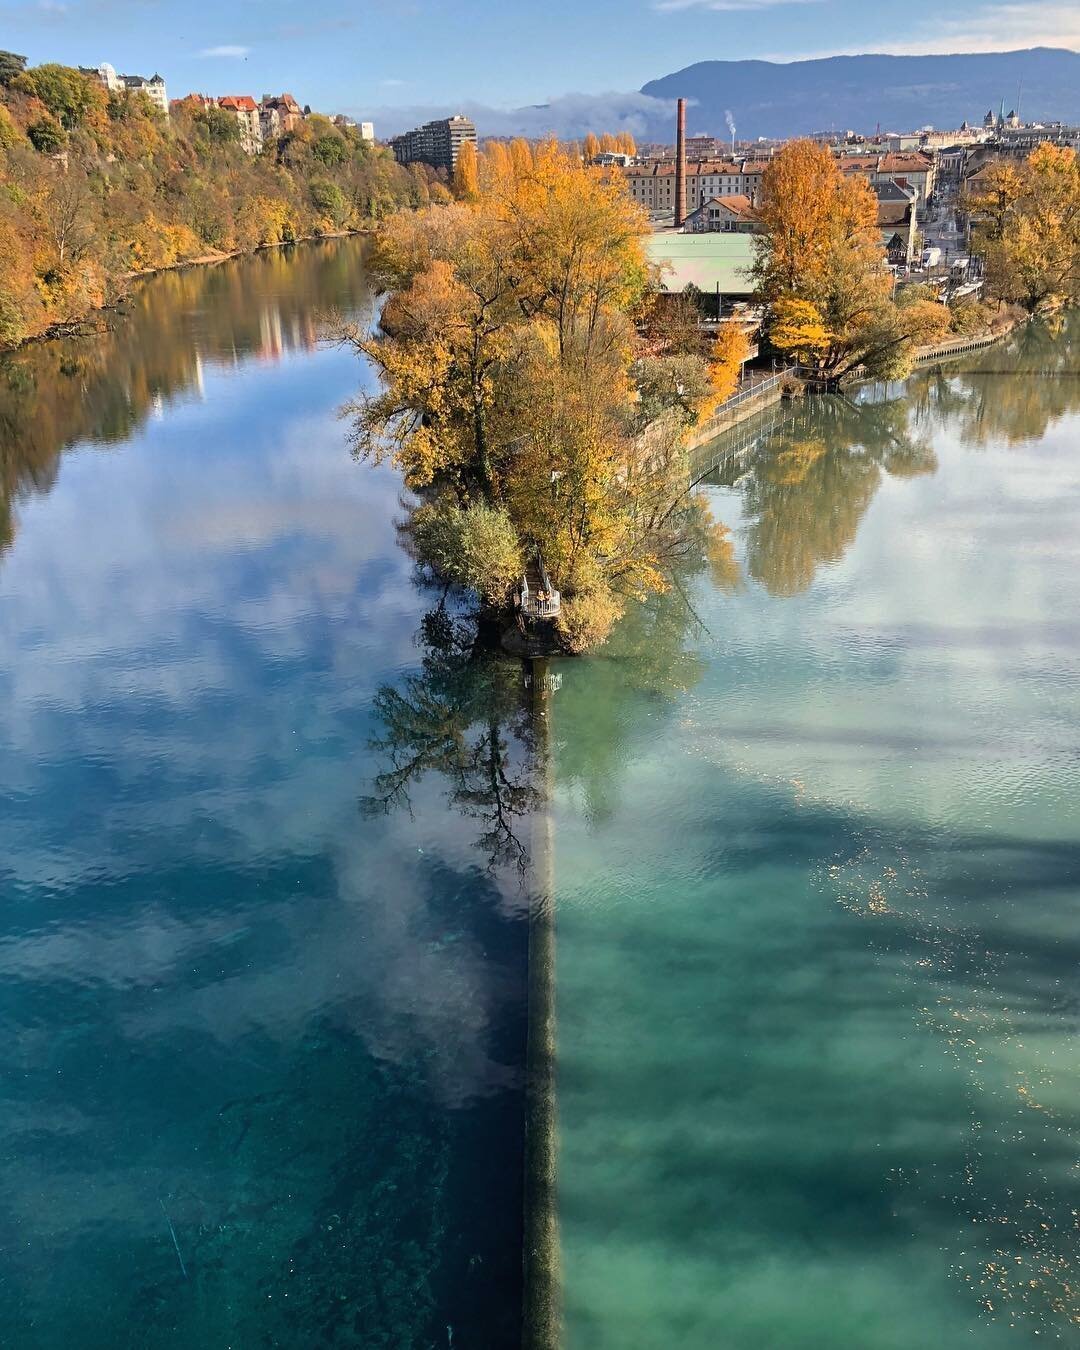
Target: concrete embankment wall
point(941, 351)
point(543, 1285)
point(730, 416)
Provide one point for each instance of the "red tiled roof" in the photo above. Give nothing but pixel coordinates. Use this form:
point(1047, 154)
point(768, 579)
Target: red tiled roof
point(897, 163)
point(737, 204)
point(238, 103)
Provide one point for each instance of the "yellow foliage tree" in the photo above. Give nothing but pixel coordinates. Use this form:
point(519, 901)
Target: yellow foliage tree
point(1028, 227)
point(467, 171)
point(730, 350)
point(521, 156)
point(506, 351)
point(820, 246)
point(797, 329)
point(591, 147)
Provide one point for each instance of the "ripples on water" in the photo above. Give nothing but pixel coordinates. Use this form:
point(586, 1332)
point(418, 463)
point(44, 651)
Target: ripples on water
point(818, 874)
point(260, 1049)
point(266, 812)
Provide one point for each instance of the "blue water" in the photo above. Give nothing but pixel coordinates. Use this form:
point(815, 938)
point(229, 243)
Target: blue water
point(260, 1047)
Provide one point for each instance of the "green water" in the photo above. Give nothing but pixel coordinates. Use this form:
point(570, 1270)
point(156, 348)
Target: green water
point(818, 882)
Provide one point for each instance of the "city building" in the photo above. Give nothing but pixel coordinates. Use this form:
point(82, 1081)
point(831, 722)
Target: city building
point(367, 132)
point(652, 184)
point(896, 217)
point(726, 215)
point(912, 170)
point(278, 115)
point(153, 88)
point(436, 143)
point(702, 147)
point(246, 111)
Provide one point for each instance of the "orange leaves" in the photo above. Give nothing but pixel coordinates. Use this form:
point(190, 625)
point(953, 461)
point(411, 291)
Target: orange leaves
point(807, 206)
point(730, 349)
point(1028, 222)
point(467, 172)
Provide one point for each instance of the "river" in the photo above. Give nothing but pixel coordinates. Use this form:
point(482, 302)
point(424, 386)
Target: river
point(261, 1042)
point(818, 882)
point(265, 820)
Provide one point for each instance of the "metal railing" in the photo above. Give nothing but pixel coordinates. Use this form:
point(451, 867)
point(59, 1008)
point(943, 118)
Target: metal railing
point(546, 604)
point(755, 387)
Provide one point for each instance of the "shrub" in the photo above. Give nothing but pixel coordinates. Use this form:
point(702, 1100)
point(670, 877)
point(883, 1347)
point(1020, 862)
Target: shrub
point(474, 546)
point(46, 135)
point(587, 618)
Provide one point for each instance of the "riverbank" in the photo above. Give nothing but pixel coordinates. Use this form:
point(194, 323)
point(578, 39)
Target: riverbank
point(85, 324)
point(740, 408)
point(940, 351)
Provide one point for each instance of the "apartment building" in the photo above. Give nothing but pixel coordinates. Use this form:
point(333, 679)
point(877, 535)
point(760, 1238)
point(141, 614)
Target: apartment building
point(652, 185)
point(153, 88)
point(278, 115)
point(436, 143)
point(913, 170)
point(246, 111)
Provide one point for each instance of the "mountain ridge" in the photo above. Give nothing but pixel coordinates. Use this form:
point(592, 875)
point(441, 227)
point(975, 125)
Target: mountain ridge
point(859, 92)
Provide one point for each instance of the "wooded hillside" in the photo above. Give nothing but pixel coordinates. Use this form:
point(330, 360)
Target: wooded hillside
point(95, 186)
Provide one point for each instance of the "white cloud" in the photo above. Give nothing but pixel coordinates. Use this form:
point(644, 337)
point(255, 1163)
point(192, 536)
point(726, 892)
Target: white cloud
point(568, 116)
point(992, 28)
point(226, 50)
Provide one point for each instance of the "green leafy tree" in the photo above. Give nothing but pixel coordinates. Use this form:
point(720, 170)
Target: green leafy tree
point(46, 135)
point(11, 66)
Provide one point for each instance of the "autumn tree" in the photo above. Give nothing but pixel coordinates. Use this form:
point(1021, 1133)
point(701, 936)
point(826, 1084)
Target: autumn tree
point(506, 350)
point(521, 156)
point(797, 329)
point(96, 185)
point(11, 66)
point(731, 349)
point(1028, 227)
point(467, 171)
point(820, 270)
point(591, 146)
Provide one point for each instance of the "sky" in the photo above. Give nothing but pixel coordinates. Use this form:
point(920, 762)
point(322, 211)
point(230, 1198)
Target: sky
point(393, 60)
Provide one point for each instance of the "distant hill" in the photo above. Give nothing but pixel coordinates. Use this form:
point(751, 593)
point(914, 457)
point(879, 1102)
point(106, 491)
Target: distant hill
point(840, 93)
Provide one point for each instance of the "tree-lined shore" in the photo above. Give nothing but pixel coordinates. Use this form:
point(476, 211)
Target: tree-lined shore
point(97, 186)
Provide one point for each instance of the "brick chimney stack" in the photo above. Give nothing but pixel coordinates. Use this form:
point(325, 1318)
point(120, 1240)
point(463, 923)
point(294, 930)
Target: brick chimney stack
point(680, 165)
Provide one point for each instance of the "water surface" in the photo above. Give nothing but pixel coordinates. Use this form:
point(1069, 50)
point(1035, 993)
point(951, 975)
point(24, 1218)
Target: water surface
point(818, 883)
point(260, 1039)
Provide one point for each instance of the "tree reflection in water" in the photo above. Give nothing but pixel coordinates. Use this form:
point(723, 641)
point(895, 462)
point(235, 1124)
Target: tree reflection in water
point(807, 488)
point(102, 386)
point(465, 716)
point(1013, 392)
point(805, 495)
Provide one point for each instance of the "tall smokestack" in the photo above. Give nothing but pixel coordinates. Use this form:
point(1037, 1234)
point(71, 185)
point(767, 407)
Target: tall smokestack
point(680, 165)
